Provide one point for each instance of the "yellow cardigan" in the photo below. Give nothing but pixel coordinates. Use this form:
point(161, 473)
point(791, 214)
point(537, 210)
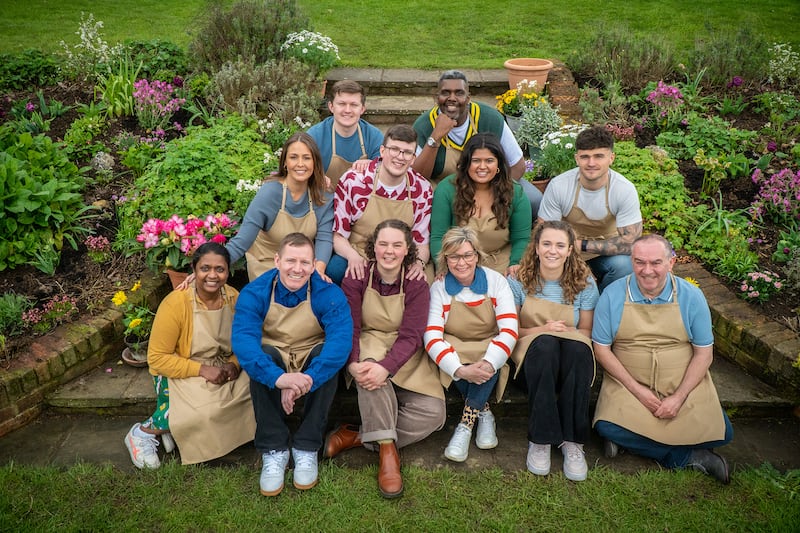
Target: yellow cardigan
point(171, 337)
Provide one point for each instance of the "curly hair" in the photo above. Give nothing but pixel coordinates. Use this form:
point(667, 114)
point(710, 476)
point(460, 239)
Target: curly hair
point(576, 271)
point(316, 183)
point(502, 186)
point(410, 257)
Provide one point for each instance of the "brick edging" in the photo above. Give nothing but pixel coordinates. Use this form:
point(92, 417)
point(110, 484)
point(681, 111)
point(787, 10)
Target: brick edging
point(62, 355)
point(762, 347)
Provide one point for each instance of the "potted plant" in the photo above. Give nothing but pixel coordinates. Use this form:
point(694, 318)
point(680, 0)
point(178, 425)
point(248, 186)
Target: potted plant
point(538, 118)
point(137, 319)
point(557, 155)
point(527, 68)
point(313, 49)
point(168, 244)
point(512, 102)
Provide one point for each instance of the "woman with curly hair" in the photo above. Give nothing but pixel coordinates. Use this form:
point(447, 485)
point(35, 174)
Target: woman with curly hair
point(555, 295)
point(482, 195)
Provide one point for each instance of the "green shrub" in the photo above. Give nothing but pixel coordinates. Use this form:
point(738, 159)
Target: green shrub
point(253, 29)
point(26, 69)
point(79, 136)
point(159, 59)
point(712, 134)
point(283, 88)
point(116, 87)
point(139, 155)
point(11, 308)
point(617, 55)
point(88, 58)
point(197, 174)
point(723, 54)
point(42, 201)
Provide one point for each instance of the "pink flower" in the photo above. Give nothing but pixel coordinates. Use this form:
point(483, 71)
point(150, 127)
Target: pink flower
point(30, 106)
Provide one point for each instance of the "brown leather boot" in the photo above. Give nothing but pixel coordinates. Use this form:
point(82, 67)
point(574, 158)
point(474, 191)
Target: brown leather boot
point(390, 480)
point(341, 439)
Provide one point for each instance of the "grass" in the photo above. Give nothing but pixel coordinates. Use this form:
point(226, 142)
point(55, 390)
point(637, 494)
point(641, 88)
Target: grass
point(411, 34)
point(198, 498)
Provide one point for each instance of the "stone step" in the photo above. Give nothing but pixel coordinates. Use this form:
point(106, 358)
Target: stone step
point(399, 96)
point(118, 389)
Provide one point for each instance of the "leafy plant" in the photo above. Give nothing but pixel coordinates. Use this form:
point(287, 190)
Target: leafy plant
point(538, 119)
point(784, 65)
point(711, 134)
point(778, 196)
point(718, 168)
point(57, 310)
point(158, 58)
point(557, 151)
point(89, 58)
point(723, 54)
point(136, 315)
point(760, 286)
point(606, 105)
point(116, 87)
point(79, 137)
point(12, 306)
point(42, 201)
point(251, 29)
point(788, 246)
point(155, 103)
point(732, 106)
point(25, 69)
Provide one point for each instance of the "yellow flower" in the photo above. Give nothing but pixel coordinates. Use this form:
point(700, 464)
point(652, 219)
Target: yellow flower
point(135, 322)
point(119, 298)
point(693, 282)
point(136, 286)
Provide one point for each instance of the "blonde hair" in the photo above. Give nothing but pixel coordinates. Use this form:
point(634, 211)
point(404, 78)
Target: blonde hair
point(452, 241)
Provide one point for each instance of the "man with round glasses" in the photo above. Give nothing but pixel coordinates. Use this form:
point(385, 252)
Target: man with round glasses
point(387, 188)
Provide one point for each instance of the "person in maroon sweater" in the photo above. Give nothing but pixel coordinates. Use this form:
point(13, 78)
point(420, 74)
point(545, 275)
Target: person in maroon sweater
point(400, 397)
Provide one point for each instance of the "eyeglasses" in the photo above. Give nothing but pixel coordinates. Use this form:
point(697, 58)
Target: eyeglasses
point(456, 258)
point(394, 151)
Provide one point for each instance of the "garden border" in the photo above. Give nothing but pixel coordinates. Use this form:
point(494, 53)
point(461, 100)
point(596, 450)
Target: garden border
point(757, 344)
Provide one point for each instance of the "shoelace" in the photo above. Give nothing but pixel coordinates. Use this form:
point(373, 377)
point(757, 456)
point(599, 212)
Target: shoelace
point(304, 460)
point(574, 453)
point(272, 462)
point(147, 444)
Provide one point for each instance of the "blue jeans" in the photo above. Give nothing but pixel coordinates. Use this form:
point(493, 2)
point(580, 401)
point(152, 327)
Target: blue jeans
point(668, 456)
point(476, 396)
point(336, 268)
point(534, 196)
point(609, 268)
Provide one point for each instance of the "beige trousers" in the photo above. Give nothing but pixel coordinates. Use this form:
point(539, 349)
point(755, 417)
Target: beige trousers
point(399, 414)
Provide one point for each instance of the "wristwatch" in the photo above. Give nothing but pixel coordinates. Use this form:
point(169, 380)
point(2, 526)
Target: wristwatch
point(431, 142)
point(583, 245)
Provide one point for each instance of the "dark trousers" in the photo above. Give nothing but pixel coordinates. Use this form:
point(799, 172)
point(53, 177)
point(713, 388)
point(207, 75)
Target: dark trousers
point(558, 375)
point(272, 433)
point(476, 396)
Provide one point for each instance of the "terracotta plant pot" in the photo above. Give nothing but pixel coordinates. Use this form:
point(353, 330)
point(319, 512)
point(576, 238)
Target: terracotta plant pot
point(135, 352)
point(176, 278)
point(527, 68)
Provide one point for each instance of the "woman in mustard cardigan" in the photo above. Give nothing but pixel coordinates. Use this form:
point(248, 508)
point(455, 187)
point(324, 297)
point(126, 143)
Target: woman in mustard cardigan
point(203, 399)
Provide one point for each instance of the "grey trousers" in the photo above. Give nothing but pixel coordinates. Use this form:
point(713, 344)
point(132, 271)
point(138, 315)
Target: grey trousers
point(395, 413)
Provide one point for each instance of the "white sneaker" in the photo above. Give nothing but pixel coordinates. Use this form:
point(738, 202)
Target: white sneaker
point(486, 435)
point(305, 469)
point(273, 469)
point(575, 467)
point(143, 450)
point(168, 442)
point(538, 458)
point(458, 448)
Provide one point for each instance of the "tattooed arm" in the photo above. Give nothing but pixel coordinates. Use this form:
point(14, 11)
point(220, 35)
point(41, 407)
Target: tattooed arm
point(620, 245)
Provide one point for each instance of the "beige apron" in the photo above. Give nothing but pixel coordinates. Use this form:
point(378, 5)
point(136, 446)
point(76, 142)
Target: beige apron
point(469, 330)
point(494, 242)
point(653, 346)
point(339, 165)
point(209, 420)
point(379, 209)
point(588, 229)
point(381, 317)
point(293, 331)
point(452, 155)
point(536, 312)
point(261, 255)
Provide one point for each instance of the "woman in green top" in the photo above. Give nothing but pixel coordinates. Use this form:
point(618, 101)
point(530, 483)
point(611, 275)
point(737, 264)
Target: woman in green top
point(481, 194)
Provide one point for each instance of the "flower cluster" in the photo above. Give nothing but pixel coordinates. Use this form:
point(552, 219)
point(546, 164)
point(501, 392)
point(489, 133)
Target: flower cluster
point(155, 103)
point(98, 248)
point(558, 151)
point(668, 102)
point(784, 64)
point(537, 120)
point(760, 286)
point(621, 133)
point(275, 133)
point(778, 196)
point(312, 48)
point(513, 101)
point(57, 310)
point(170, 243)
point(137, 318)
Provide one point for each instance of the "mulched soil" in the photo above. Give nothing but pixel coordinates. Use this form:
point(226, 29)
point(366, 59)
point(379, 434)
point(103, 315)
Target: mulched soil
point(93, 285)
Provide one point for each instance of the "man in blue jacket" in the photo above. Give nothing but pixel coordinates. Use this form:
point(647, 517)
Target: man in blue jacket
point(292, 333)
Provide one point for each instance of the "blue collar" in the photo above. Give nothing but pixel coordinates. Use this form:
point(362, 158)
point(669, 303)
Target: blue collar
point(480, 285)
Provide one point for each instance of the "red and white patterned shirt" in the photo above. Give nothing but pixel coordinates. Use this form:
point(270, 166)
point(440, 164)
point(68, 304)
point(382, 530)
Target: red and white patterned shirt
point(355, 188)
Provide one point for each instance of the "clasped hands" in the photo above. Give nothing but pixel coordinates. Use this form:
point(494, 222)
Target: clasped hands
point(219, 374)
point(667, 407)
point(293, 385)
point(369, 375)
point(478, 373)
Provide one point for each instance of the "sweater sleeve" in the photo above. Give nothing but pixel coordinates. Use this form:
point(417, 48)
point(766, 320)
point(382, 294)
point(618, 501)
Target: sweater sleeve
point(441, 351)
point(171, 339)
point(323, 242)
point(505, 310)
point(519, 225)
point(259, 216)
point(441, 215)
